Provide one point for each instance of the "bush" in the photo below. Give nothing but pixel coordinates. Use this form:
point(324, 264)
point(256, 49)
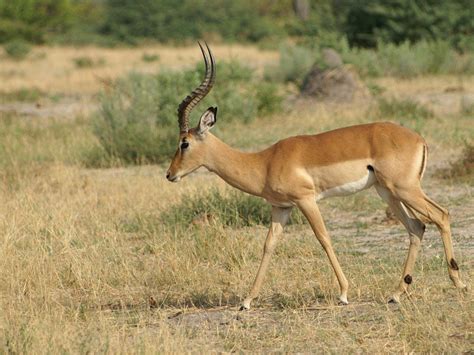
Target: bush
point(149, 57)
point(233, 209)
point(268, 98)
point(87, 62)
point(160, 20)
point(406, 111)
point(17, 49)
point(408, 60)
point(404, 60)
point(295, 63)
point(33, 20)
point(138, 120)
point(405, 108)
point(367, 22)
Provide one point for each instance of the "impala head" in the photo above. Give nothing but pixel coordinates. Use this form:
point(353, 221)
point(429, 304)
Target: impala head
point(192, 147)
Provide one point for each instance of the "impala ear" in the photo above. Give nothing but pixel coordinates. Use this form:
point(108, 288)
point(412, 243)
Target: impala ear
point(207, 120)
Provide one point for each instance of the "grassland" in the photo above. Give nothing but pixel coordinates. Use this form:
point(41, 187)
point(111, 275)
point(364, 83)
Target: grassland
point(90, 263)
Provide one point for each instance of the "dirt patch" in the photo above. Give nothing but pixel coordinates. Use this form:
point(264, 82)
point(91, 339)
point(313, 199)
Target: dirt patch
point(67, 108)
point(231, 316)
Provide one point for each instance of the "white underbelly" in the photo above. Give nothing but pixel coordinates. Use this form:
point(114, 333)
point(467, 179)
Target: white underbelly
point(349, 188)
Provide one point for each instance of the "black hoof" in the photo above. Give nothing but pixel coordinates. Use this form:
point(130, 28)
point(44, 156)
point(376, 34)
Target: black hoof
point(243, 308)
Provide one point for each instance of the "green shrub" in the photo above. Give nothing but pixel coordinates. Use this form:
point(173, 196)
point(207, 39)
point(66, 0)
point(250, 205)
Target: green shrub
point(367, 22)
point(149, 57)
point(295, 63)
point(138, 120)
point(17, 49)
point(160, 20)
point(405, 108)
point(87, 62)
point(268, 98)
point(33, 20)
point(406, 111)
point(405, 60)
point(408, 60)
point(233, 209)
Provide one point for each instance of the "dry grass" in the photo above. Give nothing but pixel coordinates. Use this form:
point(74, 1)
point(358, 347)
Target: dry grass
point(54, 70)
point(87, 264)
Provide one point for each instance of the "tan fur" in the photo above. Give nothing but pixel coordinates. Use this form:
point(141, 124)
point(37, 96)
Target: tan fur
point(296, 171)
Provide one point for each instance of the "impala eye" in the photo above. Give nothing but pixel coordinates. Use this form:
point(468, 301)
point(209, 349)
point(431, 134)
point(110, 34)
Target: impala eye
point(184, 145)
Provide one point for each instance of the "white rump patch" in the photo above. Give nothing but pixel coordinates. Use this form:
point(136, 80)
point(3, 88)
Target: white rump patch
point(349, 188)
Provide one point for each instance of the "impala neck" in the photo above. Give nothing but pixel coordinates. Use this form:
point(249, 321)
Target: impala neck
point(245, 171)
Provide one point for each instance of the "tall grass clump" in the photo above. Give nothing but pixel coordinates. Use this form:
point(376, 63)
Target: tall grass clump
point(406, 111)
point(138, 119)
point(232, 208)
point(404, 108)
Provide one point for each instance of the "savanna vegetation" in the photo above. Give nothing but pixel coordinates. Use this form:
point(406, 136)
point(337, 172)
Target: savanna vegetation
point(99, 253)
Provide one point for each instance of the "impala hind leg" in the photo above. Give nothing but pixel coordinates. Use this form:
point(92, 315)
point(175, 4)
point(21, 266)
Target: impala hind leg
point(415, 229)
point(280, 217)
point(311, 212)
point(416, 200)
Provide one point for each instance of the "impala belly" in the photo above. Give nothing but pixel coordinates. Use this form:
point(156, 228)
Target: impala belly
point(349, 188)
point(342, 179)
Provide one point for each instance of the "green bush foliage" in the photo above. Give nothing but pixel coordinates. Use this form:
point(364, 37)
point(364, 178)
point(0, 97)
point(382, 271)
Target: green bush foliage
point(32, 20)
point(150, 57)
point(368, 22)
point(178, 20)
point(138, 120)
point(363, 24)
point(406, 108)
point(88, 62)
point(404, 60)
point(295, 63)
point(233, 208)
point(17, 49)
point(408, 60)
point(406, 111)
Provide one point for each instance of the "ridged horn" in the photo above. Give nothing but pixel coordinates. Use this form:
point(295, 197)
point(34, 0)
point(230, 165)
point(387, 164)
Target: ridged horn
point(199, 93)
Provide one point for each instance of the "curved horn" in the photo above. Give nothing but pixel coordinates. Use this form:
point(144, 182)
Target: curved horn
point(199, 93)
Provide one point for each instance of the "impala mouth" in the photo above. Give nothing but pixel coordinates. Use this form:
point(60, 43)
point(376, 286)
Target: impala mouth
point(173, 178)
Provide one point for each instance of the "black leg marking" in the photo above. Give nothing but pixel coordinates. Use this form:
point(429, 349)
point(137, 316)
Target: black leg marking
point(453, 264)
point(370, 167)
point(408, 279)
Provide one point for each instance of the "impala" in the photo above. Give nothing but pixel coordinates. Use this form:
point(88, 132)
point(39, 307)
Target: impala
point(299, 171)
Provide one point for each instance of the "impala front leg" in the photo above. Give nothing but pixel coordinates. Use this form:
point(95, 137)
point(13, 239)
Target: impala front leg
point(311, 212)
point(280, 217)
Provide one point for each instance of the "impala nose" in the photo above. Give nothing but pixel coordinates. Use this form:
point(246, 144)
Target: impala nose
point(168, 175)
